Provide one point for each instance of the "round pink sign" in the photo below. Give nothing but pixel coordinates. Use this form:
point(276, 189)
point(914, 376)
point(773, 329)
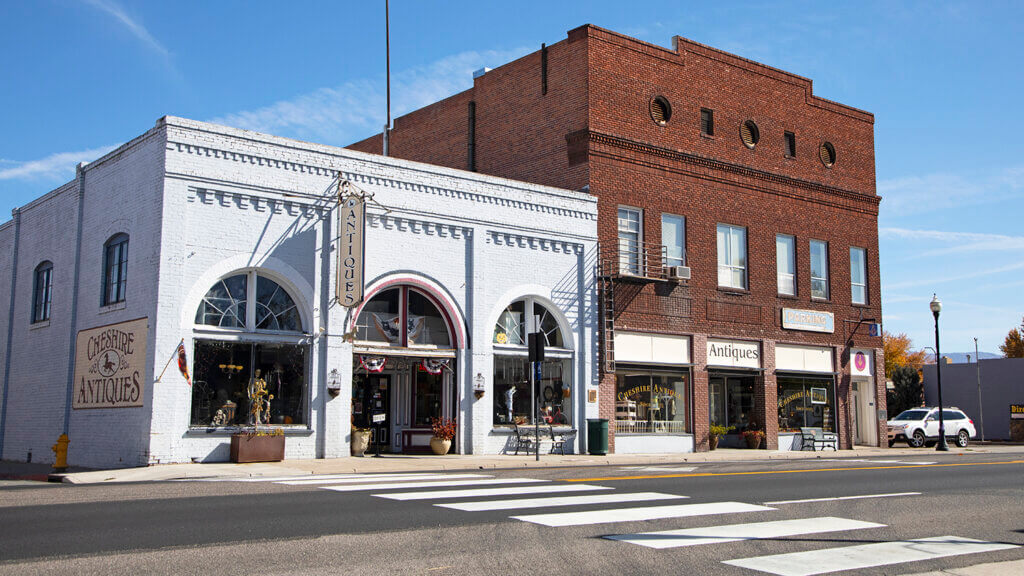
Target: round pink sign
point(860, 361)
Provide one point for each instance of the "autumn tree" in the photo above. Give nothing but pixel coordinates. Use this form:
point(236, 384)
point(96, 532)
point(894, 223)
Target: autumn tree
point(897, 350)
point(1013, 346)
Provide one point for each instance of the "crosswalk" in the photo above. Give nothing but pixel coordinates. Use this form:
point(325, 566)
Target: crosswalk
point(553, 501)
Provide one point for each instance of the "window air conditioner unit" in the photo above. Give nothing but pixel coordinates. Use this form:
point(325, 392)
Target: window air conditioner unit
point(679, 272)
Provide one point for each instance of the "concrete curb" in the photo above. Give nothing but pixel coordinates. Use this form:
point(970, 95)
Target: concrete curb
point(409, 463)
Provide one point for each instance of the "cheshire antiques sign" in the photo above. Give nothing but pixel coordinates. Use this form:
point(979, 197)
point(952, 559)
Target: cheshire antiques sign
point(352, 230)
point(109, 364)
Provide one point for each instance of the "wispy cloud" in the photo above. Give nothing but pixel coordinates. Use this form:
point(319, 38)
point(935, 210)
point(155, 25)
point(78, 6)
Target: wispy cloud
point(55, 167)
point(960, 242)
point(956, 278)
point(942, 191)
point(134, 27)
point(355, 109)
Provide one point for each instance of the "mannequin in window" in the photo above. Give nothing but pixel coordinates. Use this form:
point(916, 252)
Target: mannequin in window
point(509, 395)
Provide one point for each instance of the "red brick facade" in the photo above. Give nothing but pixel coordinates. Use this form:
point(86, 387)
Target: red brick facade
point(593, 127)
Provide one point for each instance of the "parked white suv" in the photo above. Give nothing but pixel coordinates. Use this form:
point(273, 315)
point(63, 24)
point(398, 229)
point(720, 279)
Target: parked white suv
point(920, 427)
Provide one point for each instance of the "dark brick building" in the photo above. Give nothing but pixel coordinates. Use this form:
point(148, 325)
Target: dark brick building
point(738, 225)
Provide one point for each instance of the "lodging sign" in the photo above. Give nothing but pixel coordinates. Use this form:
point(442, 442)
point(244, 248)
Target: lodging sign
point(808, 320)
point(109, 363)
point(352, 228)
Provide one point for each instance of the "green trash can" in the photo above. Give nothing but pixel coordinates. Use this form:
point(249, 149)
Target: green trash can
point(597, 436)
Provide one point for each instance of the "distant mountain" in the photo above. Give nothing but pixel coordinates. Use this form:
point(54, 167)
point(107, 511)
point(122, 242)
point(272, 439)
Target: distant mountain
point(961, 357)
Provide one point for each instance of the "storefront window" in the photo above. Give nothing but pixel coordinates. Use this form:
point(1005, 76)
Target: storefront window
point(806, 402)
point(426, 397)
point(731, 401)
point(226, 367)
point(651, 402)
point(512, 391)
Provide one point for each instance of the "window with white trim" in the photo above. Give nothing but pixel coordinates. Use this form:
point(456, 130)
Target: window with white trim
point(42, 292)
point(819, 269)
point(115, 269)
point(630, 220)
point(673, 238)
point(785, 263)
point(732, 256)
point(858, 275)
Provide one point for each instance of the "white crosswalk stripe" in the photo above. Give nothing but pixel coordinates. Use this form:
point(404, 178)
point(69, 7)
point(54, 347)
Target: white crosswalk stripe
point(429, 484)
point(637, 514)
point(482, 492)
point(559, 501)
point(834, 498)
point(866, 555)
point(738, 532)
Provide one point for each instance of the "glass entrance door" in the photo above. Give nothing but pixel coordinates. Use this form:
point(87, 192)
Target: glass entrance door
point(371, 395)
point(731, 401)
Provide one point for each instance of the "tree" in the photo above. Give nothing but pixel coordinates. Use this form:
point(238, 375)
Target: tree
point(907, 392)
point(898, 353)
point(1013, 346)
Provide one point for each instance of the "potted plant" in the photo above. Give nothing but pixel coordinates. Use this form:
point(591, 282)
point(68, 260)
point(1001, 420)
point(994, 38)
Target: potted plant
point(753, 438)
point(360, 440)
point(444, 431)
point(714, 432)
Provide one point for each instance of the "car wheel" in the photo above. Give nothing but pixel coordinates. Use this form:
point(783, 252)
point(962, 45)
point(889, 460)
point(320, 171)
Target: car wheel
point(916, 439)
point(962, 438)
point(891, 442)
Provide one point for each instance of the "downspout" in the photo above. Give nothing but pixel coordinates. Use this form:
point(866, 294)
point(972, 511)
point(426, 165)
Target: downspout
point(73, 332)
point(16, 214)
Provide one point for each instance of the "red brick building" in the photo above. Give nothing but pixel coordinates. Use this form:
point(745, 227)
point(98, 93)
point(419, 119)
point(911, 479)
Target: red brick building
point(738, 222)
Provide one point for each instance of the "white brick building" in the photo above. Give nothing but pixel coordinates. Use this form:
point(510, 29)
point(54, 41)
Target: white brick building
point(226, 240)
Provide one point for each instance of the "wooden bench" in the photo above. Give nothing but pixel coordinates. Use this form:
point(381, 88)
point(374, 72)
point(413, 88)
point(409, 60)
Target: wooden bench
point(818, 439)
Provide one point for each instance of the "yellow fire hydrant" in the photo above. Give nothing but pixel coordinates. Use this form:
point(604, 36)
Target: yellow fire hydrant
point(61, 450)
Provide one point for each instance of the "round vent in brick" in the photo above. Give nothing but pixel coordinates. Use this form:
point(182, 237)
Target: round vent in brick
point(661, 110)
point(750, 134)
point(827, 153)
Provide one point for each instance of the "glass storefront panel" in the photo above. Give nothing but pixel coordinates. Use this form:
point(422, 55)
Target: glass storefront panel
point(511, 402)
point(731, 401)
point(224, 371)
point(426, 396)
point(651, 401)
point(806, 401)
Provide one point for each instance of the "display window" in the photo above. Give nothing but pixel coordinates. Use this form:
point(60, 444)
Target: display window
point(228, 363)
point(403, 317)
point(649, 401)
point(806, 401)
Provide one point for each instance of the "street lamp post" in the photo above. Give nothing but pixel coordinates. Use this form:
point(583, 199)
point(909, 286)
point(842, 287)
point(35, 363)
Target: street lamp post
point(936, 306)
point(981, 409)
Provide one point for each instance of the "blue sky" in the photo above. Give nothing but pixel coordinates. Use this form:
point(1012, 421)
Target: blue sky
point(943, 80)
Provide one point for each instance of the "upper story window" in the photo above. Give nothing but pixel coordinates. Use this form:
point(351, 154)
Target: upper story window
point(785, 262)
point(630, 220)
point(707, 122)
point(673, 238)
point(858, 275)
point(403, 317)
point(115, 269)
point(249, 301)
point(661, 110)
point(819, 269)
point(523, 316)
point(789, 140)
point(732, 256)
point(42, 292)
point(750, 134)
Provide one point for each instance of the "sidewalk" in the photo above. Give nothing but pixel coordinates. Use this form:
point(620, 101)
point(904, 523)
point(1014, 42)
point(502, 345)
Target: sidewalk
point(392, 463)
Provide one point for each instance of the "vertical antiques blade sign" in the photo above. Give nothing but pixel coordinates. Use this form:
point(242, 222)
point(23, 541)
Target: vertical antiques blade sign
point(109, 365)
point(352, 226)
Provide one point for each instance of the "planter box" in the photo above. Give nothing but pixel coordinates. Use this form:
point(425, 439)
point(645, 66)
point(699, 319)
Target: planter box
point(246, 448)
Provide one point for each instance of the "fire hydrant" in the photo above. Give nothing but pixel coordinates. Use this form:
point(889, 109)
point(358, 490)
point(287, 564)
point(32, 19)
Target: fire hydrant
point(61, 450)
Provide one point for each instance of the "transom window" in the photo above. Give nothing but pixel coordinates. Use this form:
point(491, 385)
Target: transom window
point(115, 269)
point(43, 292)
point(405, 317)
point(227, 305)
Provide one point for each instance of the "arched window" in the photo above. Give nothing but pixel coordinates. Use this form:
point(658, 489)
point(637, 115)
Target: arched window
point(404, 317)
point(248, 332)
point(42, 292)
point(115, 269)
point(513, 399)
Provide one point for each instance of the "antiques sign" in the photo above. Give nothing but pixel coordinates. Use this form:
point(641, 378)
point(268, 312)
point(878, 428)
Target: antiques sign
point(109, 364)
point(734, 354)
point(352, 228)
point(808, 320)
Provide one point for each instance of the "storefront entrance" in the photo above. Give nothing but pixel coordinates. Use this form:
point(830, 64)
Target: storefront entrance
point(862, 412)
point(731, 403)
point(409, 392)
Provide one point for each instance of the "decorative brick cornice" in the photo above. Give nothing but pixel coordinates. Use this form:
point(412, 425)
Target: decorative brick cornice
point(254, 202)
point(580, 142)
point(415, 226)
point(532, 242)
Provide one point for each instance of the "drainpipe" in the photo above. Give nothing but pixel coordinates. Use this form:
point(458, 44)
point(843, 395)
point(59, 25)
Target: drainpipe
point(73, 332)
point(16, 215)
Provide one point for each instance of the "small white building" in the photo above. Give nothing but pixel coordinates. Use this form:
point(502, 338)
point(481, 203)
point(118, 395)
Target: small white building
point(227, 241)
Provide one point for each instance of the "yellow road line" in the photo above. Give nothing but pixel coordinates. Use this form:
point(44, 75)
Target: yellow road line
point(705, 474)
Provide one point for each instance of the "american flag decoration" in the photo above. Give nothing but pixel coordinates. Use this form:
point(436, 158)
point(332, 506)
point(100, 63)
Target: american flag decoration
point(183, 362)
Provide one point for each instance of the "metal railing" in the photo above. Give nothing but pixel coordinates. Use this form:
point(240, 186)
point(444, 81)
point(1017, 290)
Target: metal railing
point(630, 258)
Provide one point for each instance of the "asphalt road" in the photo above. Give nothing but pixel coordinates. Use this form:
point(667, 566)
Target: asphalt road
point(231, 527)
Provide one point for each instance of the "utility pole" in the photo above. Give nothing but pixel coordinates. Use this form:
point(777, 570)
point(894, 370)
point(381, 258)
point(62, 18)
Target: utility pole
point(981, 410)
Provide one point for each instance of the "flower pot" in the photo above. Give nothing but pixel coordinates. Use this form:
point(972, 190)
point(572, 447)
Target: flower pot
point(754, 442)
point(255, 448)
point(360, 441)
point(712, 442)
point(439, 446)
